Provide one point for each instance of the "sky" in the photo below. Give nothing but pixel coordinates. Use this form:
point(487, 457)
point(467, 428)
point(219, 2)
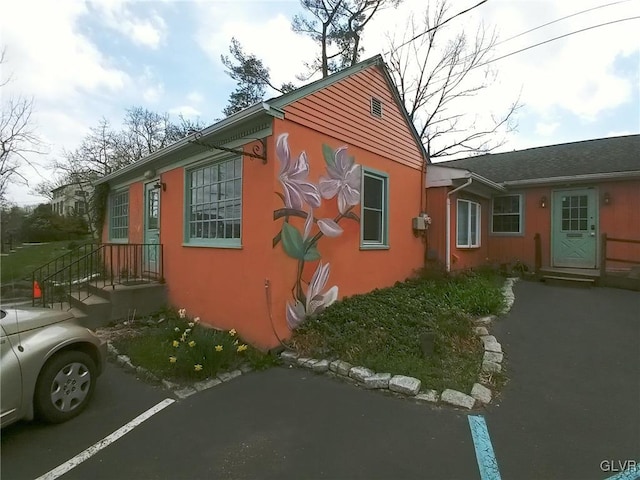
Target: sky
point(84, 61)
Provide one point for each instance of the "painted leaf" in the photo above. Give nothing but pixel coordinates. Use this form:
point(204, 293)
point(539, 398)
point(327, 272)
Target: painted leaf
point(328, 154)
point(312, 254)
point(329, 227)
point(292, 242)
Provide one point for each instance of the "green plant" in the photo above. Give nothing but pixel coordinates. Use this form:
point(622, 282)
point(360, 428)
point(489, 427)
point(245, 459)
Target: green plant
point(181, 348)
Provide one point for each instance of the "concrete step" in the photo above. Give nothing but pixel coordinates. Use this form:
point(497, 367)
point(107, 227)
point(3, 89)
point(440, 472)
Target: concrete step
point(96, 309)
point(568, 281)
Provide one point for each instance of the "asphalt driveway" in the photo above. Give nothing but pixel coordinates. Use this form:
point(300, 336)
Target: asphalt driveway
point(572, 402)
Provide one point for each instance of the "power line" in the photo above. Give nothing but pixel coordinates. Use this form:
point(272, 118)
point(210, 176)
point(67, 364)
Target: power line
point(438, 25)
point(556, 38)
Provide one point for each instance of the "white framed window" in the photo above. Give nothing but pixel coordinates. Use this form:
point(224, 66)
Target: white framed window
point(468, 224)
point(374, 222)
point(214, 204)
point(506, 215)
point(119, 215)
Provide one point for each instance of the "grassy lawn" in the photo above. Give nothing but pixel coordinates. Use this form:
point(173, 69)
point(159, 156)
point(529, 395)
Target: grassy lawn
point(381, 330)
point(19, 265)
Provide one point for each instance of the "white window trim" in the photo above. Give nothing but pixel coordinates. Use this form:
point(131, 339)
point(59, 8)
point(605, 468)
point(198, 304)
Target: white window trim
point(233, 243)
point(478, 208)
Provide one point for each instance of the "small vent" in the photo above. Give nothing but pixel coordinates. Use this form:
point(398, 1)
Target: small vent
point(376, 107)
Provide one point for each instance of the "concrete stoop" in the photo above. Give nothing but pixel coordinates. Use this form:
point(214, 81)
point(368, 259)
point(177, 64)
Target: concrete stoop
point(102, 306)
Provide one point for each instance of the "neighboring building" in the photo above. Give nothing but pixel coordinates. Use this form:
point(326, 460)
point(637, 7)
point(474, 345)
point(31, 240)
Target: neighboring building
point(569, 195)
point(72, 199)
point(278, 210)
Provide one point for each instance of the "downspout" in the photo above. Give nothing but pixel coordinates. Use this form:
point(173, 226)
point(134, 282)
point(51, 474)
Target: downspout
point(447, 246)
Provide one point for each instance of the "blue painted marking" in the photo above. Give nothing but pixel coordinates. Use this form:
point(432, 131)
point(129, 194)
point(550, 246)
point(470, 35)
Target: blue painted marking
point(484, 450)
point(632, 473)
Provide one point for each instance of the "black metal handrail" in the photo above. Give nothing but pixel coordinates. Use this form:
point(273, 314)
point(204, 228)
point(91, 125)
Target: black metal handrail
point(105, 265)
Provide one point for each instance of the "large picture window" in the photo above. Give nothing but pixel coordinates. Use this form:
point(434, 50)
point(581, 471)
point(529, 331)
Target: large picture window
point(214, 203)
point(374, 222)
point(506, 215)
point(468, 224)
point(119, 215)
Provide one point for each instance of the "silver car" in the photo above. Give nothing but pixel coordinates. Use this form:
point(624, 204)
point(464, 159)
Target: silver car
point(49, 364)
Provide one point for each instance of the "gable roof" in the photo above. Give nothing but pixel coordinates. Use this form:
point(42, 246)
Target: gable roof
point(599, 158)
point(272, 107)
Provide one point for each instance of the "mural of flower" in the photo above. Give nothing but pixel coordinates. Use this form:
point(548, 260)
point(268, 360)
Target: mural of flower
point(316, 300)
point(293, 176)
point(344, 180)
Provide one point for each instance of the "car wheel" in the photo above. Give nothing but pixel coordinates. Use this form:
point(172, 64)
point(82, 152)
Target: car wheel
point(65, 386)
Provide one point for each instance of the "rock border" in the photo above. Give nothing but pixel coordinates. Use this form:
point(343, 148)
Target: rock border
point(405, 386)
point(410, 387)
point(180, 391)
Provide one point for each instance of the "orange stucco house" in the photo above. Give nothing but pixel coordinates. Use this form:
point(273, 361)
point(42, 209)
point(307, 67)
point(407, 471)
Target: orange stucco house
point(570, 206)
point(273, 213)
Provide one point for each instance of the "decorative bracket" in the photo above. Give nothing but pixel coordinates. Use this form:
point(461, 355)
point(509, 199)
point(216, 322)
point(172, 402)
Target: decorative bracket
point(258, 151)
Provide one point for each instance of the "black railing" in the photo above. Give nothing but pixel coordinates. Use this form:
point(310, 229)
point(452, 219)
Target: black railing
point(105, 265)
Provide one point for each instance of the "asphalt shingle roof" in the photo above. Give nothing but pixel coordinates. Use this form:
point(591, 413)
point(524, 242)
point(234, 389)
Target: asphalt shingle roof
point(604, 155)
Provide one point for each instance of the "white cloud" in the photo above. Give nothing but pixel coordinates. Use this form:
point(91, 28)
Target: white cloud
point(195, 97)
point(147, 32)
point(153, 93)
point(546, 129)
point(185, 111)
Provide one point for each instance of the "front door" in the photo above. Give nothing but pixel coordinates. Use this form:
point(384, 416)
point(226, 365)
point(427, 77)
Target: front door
point(575, 228)
point(151, 227)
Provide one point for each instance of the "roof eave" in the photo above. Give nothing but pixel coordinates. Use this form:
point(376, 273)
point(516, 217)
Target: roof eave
point(225, 124)
point(590, 177)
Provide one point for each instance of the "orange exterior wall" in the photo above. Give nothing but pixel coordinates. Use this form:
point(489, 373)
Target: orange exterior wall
point(619, 219)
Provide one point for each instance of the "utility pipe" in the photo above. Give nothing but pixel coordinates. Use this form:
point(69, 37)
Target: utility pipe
point(448, 223)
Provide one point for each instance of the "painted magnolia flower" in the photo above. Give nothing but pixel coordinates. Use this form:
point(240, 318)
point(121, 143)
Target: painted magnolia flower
point(218, 348)
point(197, 367)
point(182, 312)
point(293, 176)
point(172, 359)
point(316, 300)
point(344, 180)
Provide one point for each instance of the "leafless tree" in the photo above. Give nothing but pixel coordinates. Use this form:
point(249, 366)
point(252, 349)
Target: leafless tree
point(18, 140)
point(337, 27)
point(436, 77)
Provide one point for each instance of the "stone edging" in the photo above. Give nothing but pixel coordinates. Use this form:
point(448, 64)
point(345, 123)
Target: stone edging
point(399, 384)
point(179, 391)
point(410, 387)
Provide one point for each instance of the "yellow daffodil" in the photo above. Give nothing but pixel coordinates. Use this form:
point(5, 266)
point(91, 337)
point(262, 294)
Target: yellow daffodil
point(175, 343)
point(218, 348)
point(188, 330)
point(177, 329)
point(183, 337)
point(232, 332)
point(197, 367)
point(182, 312)
point(191, 324)
point(236, 342)
point(172, 359)
point(241, 348)
point(196, 320)
point(192, 344)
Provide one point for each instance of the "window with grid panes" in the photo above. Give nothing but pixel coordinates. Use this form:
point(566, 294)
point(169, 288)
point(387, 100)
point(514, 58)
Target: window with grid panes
point(214, 203)
point(119, 216)
point(374, 222)
point(507, 214)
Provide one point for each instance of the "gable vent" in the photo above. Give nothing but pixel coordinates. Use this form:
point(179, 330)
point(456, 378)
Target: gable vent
point(376, 107)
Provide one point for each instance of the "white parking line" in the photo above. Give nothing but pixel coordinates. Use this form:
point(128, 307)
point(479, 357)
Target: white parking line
point(105, 442)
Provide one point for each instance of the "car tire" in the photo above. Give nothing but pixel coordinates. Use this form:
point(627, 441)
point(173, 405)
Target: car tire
point(65, 386)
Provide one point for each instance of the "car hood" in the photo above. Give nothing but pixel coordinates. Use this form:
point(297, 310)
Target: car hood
point(18, 320)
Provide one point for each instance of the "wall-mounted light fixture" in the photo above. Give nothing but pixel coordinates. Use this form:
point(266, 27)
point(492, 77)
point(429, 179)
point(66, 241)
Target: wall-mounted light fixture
point(543, 202)
point(606, 198)
point(162, 185)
